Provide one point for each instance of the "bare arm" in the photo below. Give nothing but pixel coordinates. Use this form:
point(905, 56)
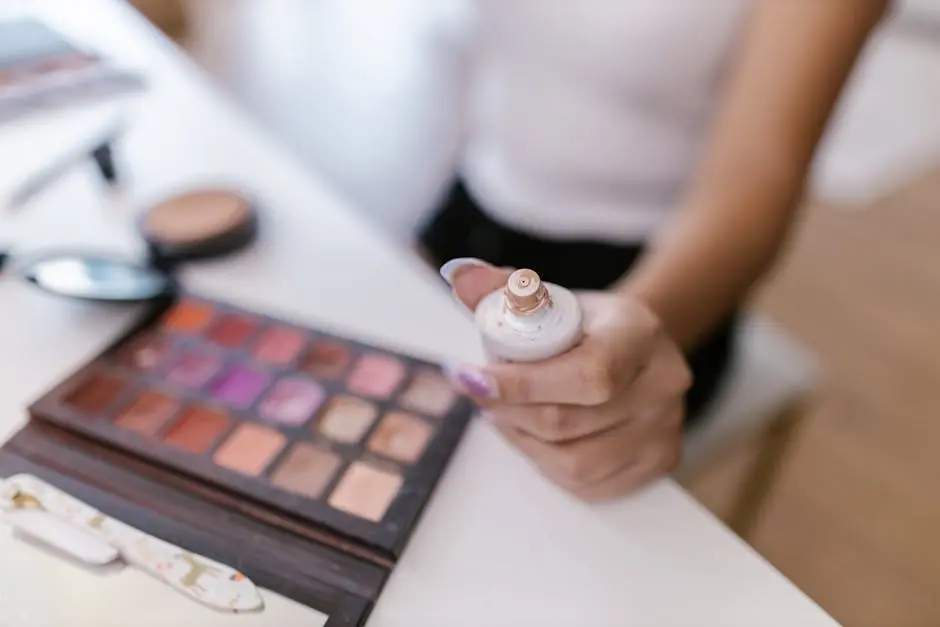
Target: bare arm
point(795, 58)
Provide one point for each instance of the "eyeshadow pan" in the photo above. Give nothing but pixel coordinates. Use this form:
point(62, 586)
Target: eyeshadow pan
point(188, 317)
point(197, 429)
point(249, 449)
point(307, 470)
point(429, 394)
point(279, 345)
point(193, 368)
point(147, 413)
point(376, 375)
point(366, 491)
point(401, 437)
point(146, 354)
point(232, 331)
point(95, 393)
point(292, 402)
point(239, 385)
point(326, 359)
point(347, 419)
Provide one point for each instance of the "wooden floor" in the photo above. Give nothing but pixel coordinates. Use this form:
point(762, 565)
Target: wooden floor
point(855, 519)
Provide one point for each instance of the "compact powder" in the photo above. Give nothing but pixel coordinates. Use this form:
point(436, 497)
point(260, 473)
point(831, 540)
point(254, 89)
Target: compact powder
point(366, 491)
point(347, 419)
point(196, 216)
point(250, 449)
point(400, 437)
point(307, 470)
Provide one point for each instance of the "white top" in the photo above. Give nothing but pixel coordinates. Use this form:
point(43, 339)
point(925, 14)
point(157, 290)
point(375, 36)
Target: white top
point(498, 545)
point(589, 115)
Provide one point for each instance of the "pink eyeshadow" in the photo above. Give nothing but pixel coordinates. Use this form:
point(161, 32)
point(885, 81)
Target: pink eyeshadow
point(279, 345)
point(376, 375)
point(193, 368)
point(292, 402)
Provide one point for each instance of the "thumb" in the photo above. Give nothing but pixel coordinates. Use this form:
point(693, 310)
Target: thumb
point(472, 279)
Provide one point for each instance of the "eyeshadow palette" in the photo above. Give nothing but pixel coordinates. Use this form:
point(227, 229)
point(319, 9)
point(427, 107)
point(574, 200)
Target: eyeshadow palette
point(342, 435)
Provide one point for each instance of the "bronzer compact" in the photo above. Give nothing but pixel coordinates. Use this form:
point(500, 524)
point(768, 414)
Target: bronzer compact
point(196, 225)
point(300, 457)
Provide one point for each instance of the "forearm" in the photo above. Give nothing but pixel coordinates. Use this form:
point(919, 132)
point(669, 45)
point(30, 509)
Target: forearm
point(739, 208)
point(713, 253)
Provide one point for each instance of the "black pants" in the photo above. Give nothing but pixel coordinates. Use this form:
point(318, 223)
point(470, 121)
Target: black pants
point(461, 229)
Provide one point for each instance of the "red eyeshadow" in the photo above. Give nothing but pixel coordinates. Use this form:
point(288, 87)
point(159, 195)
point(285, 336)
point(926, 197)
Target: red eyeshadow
point(197, 429)
point(232, 331)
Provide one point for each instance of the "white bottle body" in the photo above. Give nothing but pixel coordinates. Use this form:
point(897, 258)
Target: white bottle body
point(544, 334)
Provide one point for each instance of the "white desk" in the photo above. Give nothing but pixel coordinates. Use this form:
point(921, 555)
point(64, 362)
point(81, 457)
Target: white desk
point(497, 545)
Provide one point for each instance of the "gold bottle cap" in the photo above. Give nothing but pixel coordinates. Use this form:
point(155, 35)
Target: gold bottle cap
point(525, 293)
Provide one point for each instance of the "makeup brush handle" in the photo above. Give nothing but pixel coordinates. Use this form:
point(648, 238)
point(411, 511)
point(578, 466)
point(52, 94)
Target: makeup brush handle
point(210, 583)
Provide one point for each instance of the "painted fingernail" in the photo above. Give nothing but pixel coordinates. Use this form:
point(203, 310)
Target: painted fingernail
point(450, 269)
point(472, 381)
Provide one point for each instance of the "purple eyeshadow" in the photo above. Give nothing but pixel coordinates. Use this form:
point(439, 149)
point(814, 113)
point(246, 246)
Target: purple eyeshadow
point(292, 402)
point(239, 385)
point(193, 368)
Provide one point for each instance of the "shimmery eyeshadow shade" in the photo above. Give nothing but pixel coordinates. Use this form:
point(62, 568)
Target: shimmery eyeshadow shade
point(366, 491)
point(193, 368)
point(307, 470)
point(292, 402)
point(279, 346)
point(401, 437)
point(346, 419)
point(197, 429)
point(147, 354)
point(239, 385)
point(429, 394)
point(326, 359)
point(188, 317)
point(232, 331)
point(250, 449)
point(376, 375)
point(95, 393)
point(148, 412)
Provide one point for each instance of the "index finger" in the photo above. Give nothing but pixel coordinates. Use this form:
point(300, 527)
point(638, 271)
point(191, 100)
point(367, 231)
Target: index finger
point(589, 374)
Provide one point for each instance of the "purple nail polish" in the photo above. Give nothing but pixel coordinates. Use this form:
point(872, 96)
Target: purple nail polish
point(473, 382)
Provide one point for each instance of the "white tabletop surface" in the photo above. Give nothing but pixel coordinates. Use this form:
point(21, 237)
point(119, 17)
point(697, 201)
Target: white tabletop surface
point(497, 545)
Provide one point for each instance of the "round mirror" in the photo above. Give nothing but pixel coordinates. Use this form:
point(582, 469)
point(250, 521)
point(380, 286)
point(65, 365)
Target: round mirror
point(95, 278)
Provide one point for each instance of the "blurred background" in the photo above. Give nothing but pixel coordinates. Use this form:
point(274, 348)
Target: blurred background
point(367, 93)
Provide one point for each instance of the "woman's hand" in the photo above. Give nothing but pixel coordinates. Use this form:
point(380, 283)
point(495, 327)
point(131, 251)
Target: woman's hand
point(601, 420)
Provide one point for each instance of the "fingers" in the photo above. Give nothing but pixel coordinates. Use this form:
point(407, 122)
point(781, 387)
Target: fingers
point(472, 279)
point(559, 423)
point(611, 464)
point(590, 374)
